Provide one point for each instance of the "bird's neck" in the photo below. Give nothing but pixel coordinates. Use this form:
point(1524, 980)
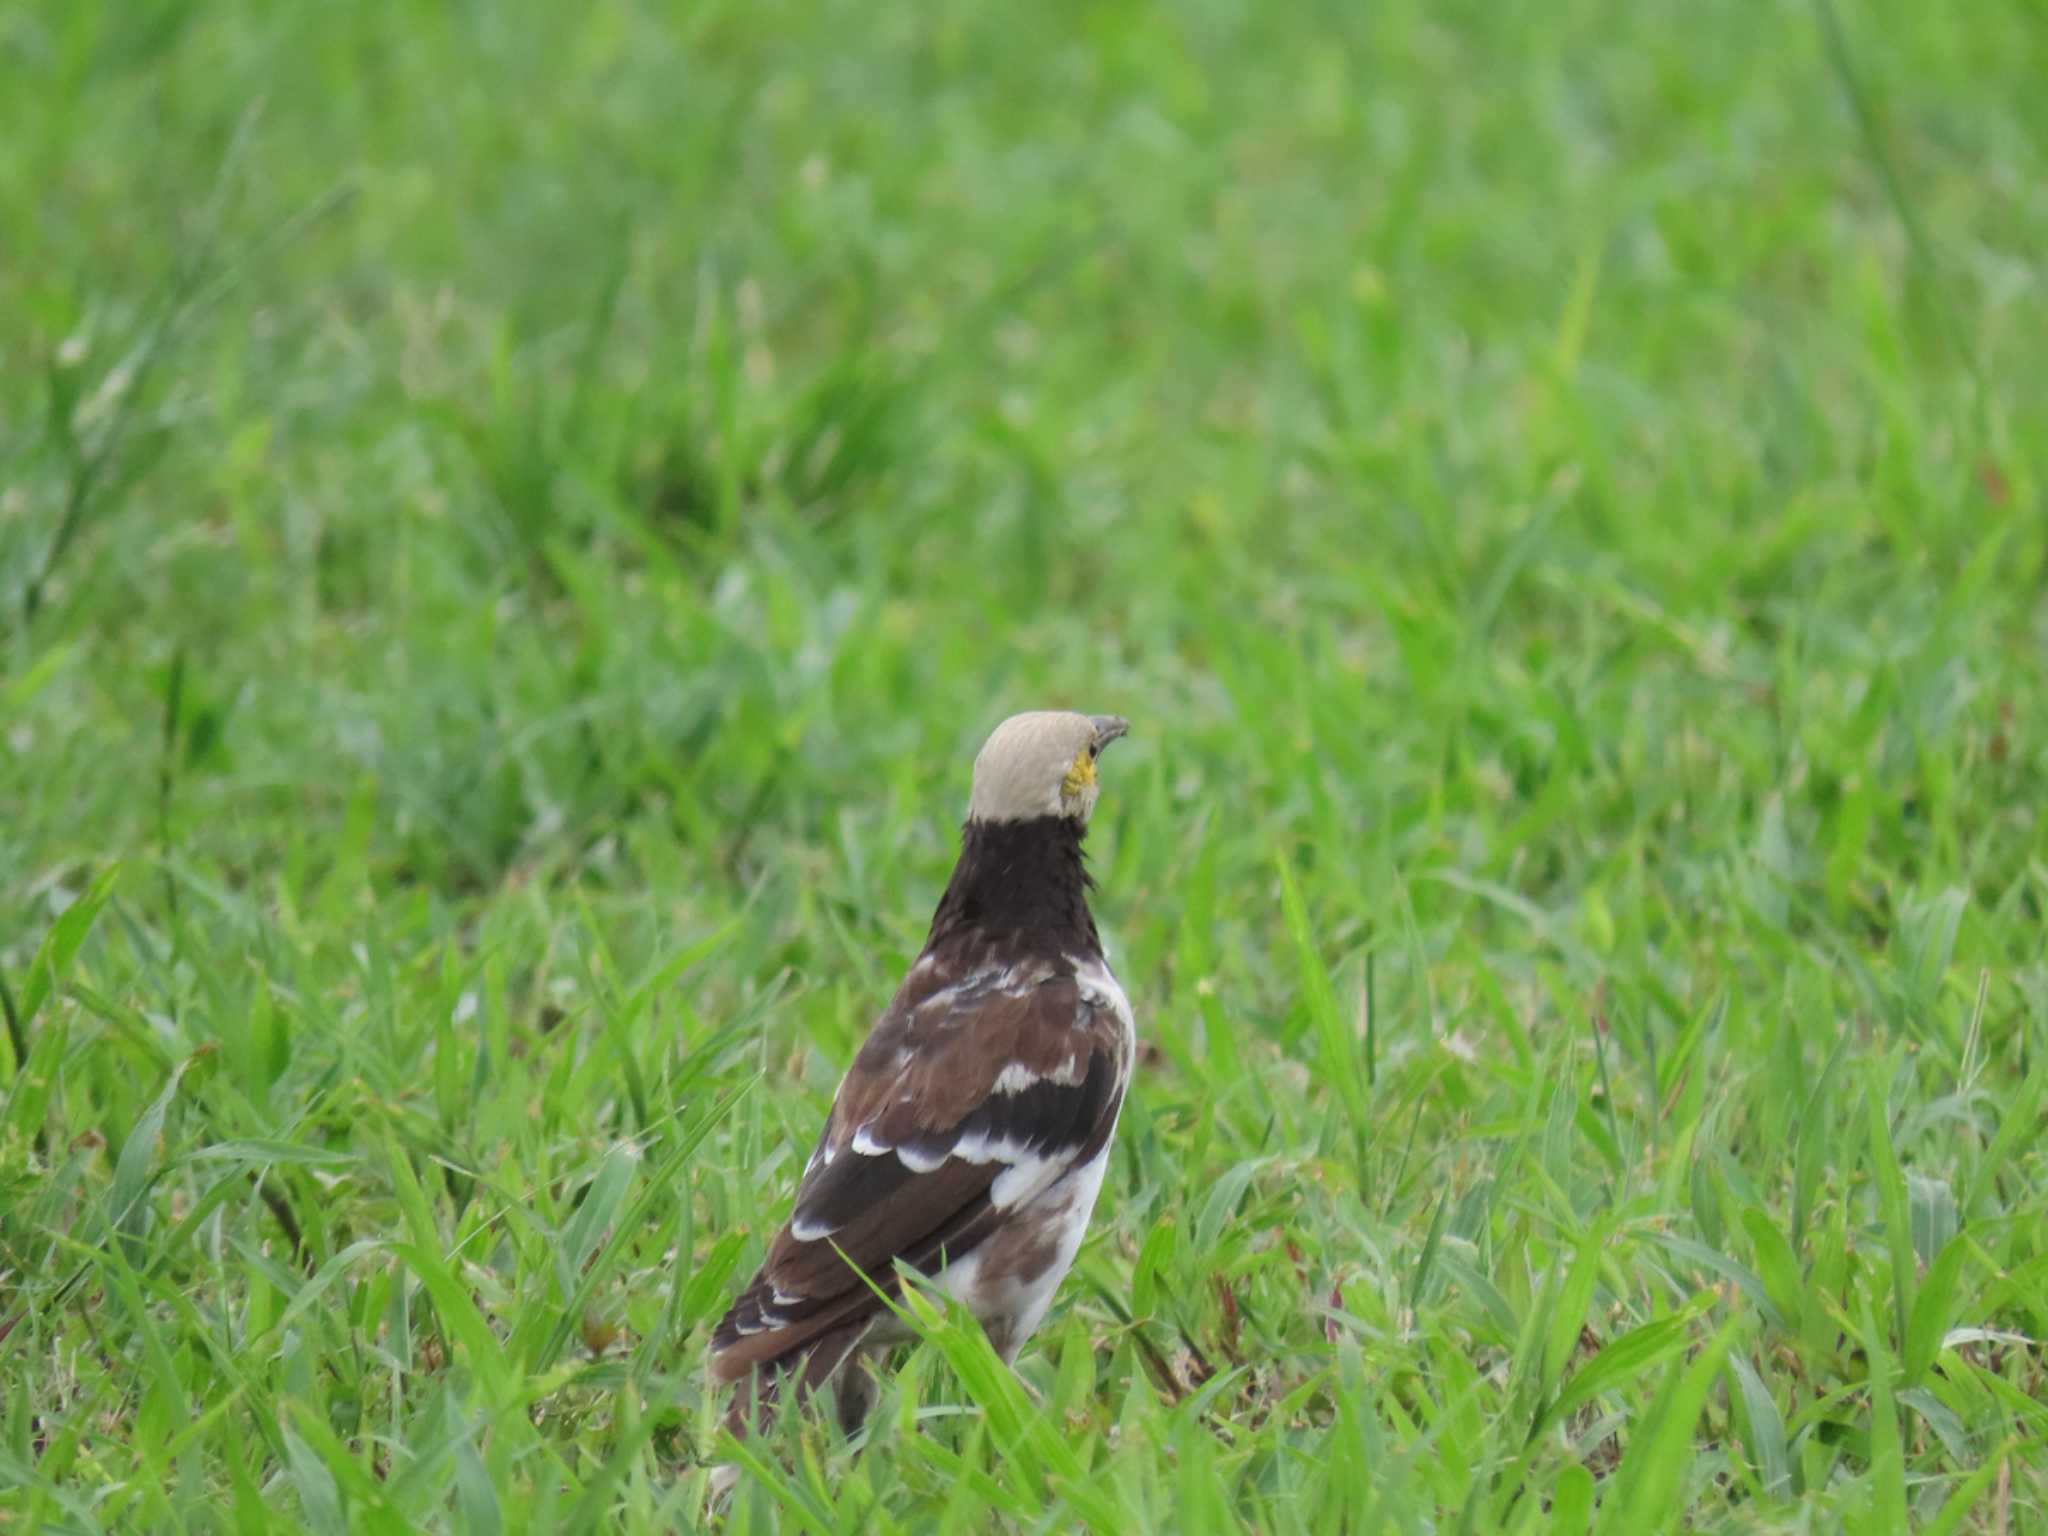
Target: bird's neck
point(1022, 877)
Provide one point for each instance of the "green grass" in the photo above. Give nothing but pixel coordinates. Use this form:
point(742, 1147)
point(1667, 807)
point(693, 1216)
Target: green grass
point(513, 521)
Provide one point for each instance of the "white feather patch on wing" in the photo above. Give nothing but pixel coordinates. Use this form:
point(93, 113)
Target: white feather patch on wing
point(805, 1230)
point(865, 1144)
point(921, 1162)
point(977, 1147)
point(1099, 989)
point(1016, 1077)
point(1015, 980)
point(1027, 1173)
point(1025, 1181)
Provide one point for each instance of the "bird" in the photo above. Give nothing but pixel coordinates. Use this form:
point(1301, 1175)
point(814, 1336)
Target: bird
point(969, 1136)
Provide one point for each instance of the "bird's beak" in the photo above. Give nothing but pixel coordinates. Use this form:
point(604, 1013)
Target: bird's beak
point(1108, 728)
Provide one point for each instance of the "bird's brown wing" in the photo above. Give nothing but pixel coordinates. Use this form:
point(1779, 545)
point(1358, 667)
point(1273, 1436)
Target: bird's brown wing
point(984, 1081)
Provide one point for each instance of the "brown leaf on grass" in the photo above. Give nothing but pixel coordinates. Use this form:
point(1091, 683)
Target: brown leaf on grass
point(598, 1335)
point(2001, 737)
point(1233, 1320)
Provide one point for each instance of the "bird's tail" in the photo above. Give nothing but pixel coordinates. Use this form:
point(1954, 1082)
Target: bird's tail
point(829, 1359)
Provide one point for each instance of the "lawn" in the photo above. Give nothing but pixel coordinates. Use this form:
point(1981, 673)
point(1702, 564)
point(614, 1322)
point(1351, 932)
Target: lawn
point(514, 520)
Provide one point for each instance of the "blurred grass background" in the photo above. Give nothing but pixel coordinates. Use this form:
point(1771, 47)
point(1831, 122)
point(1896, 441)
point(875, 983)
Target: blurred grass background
point(513, 520)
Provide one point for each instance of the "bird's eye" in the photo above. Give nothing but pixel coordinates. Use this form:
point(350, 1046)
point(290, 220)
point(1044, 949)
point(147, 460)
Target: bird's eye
point(1094, 750)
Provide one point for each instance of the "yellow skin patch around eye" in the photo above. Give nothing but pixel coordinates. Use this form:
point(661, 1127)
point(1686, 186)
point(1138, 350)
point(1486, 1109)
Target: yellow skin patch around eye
point(1080, 774)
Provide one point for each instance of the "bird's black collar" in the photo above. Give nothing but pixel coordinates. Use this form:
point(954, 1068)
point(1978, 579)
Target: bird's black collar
point(1025, 877)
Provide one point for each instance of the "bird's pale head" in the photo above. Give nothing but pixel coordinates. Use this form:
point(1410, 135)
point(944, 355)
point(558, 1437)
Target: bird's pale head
point(1041, 764)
